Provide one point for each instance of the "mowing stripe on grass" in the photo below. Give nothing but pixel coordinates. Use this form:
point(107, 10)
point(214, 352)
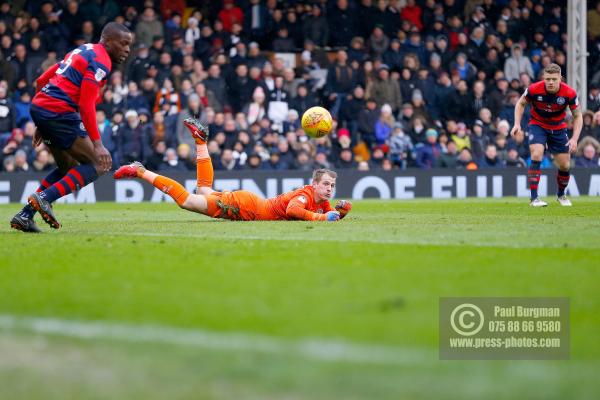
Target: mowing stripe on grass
point(446, 240)
point(310, 348)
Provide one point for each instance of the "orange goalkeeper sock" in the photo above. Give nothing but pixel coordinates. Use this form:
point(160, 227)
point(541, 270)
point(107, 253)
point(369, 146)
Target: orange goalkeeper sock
point(167, 185)
point(204, 167)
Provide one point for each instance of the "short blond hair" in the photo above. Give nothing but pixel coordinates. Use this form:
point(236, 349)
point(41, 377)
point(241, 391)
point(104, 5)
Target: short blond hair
point(318, 174)
point(552, 69)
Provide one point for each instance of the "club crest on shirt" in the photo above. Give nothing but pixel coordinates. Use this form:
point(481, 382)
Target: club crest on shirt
point(560, 101)
point(302, 199)
point(100, 74)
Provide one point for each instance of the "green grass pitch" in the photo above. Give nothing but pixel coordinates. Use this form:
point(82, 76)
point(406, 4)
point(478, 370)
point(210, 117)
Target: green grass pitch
point(149, 301)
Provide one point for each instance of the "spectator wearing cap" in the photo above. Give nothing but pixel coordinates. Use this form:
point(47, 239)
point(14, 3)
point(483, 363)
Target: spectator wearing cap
point(240, 88)
point(256, 109)
point(341, 79)
point(490, 158)
point(427, 154)
point(7, 112)
point(588, 155)
point(478, 100)
point(133, 143)
point(342, 19)
point(378, 42)
point(448, 158)
point(458, 104)
point(171, 163)
point(508, 109)
point(303, 161)
point(352, 106)
point(593, 102)
point(148, 27)
point(316, 27)
point(168, 99)
point(216, 84)
point(366, 122)
point(476, 48)
point(357, 51)
point(443, 50)
point(513, 159)
point(192, 32)
point(303, 99)
point(517, 63)
point(385, 90)
point(393, 57)
point(442, 91)
point(21, 164)
point(21, 107)
point(140, 64)
point(401, 146)
point(384, 125)
point(283, 42)
point(464, 69)
point(192, 110)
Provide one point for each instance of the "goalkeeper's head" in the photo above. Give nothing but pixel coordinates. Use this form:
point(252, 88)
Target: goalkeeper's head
point(323, 181)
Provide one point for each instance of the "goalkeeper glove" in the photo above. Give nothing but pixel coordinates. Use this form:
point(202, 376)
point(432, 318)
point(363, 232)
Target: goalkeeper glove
point(332, 216)
point(344, 207)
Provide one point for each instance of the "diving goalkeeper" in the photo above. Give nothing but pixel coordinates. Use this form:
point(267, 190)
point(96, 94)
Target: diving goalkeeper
point(308, 203)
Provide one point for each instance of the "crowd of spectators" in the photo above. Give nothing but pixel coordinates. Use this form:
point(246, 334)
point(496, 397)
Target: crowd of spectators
point(425, 84)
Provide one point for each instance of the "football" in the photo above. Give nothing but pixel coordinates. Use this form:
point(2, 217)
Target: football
point(317, 122)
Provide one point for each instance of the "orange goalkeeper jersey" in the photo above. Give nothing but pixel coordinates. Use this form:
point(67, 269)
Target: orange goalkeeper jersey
point(298, 204)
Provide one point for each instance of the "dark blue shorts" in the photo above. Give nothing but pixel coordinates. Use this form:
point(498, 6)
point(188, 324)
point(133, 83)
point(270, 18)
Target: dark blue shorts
point(58, 130)
point(557, 140)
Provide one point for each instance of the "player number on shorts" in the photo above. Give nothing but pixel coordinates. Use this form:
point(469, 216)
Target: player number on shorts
point(67, 62)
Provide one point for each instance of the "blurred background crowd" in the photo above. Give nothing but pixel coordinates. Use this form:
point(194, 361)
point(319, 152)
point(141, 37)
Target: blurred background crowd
point(425, 84)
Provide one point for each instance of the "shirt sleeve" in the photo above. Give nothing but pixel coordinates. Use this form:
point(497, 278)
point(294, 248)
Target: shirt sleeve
point(87, 107)
point(528, 96)
point(45, 77)
point(573, 102)
point(296, 209)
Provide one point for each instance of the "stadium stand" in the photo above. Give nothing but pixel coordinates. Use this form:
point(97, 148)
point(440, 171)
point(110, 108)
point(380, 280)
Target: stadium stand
point(421, 84)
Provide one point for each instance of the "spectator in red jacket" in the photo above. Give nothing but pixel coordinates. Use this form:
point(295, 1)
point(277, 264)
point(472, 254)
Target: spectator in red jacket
point(230, 14)
point(412, 13)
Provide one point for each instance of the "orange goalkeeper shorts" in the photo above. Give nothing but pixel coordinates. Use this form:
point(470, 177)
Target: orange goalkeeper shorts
point(240, 205)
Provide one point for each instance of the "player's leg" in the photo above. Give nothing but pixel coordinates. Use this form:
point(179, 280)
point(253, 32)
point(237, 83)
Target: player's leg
point(559, 146)
point(23, 220)
point(86, 170)
point(537, 146)
point(184, 199)
point(204, 167)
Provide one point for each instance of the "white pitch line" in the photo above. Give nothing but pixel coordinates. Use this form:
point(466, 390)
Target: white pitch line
point(310, 348)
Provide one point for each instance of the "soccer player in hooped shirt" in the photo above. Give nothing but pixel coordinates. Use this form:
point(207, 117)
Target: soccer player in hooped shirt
point(549, 100)
point(64, 111)
point(309, 203)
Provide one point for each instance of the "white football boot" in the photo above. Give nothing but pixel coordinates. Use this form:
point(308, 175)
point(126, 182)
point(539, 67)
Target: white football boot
point(538, 203)
point(564, 201)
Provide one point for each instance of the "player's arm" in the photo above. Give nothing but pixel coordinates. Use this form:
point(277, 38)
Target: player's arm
point(577, 126)
point(296, 209)
point(44, 78)
point(519, 110)
point(90, 90)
